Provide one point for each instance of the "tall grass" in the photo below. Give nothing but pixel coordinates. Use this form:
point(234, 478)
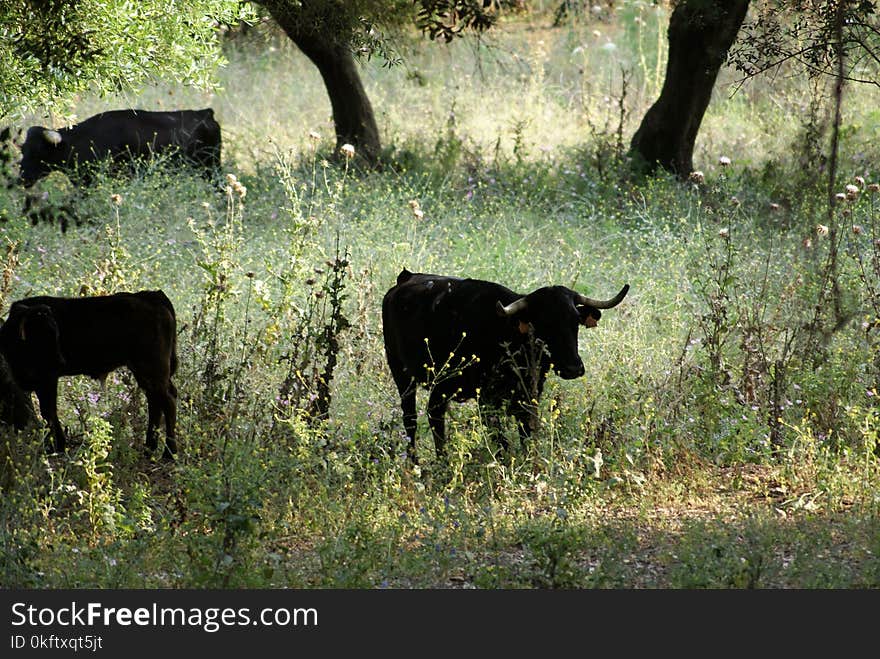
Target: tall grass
point(703, 448)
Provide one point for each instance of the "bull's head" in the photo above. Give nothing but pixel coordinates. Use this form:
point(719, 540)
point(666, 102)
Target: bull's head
point(42, 152)
point(556, 313)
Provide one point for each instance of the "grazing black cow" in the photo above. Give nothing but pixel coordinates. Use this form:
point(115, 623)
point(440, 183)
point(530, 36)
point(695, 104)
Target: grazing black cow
point(466, 338)
point(45, 338)
point(121, 136)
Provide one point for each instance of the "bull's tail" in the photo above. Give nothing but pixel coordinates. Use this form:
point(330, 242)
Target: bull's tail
point(170, 307)
point(174, 354)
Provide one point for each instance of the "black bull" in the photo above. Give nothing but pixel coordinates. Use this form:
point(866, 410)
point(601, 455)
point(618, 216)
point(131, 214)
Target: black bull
point(121, 136)
point(466, 338)
point(45, 338)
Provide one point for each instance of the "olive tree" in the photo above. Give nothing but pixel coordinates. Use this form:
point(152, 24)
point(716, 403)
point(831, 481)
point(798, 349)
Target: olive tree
point(53, 50)
point(333, 35)
point(700, 34)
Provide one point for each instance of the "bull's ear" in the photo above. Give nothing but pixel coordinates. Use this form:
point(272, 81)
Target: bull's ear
point(589, 316)
point(53, 137)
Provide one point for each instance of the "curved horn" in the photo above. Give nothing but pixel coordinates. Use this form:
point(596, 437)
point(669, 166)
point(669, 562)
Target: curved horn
point(514, 307)
point(604, 304)
point(52, 136)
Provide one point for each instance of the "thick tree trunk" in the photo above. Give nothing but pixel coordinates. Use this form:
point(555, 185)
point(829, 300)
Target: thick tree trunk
point(353, 114)
point(700, 34)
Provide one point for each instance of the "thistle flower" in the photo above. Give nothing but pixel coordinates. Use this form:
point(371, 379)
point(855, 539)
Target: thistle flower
point(347, 151)
point(116, 199)
point(774, 206)
point(860, 180)
point(231, 179)
point(857, 229)
point(821, 230)
point(840, 196)
point(697, 177)
point(724, 233)
point(724, 161)
point(314, 136)
point(852, 191)
point(873, 187)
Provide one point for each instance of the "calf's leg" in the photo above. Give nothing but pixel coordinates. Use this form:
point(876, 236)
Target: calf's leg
point(154, 416)
point(47, 394)
point(161, 403)
point(437, 404)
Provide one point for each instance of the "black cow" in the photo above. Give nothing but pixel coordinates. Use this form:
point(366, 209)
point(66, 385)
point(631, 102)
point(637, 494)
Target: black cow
point(466, 338)
point(45, 338)
point(121, 136)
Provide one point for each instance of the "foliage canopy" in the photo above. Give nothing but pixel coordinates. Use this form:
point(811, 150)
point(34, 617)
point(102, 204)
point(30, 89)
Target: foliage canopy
point(53, 50)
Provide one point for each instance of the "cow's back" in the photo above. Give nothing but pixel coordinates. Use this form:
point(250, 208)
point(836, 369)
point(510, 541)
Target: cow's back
point(145, 132)
point(123, 135)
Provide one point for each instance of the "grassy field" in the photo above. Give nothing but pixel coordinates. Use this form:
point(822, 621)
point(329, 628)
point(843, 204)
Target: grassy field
point(725, 432)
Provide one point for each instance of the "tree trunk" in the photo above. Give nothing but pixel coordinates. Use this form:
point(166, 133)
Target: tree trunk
point(353, 114)
point(700, 34)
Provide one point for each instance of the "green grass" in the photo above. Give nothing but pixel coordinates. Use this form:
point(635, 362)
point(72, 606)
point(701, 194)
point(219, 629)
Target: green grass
point(710, 444)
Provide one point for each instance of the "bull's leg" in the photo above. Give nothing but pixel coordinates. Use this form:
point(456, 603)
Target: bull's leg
point(497, 430)
point(492, 419)
point(406, 387)
point(526, 419)
point(437, 404)
point(48, 397)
